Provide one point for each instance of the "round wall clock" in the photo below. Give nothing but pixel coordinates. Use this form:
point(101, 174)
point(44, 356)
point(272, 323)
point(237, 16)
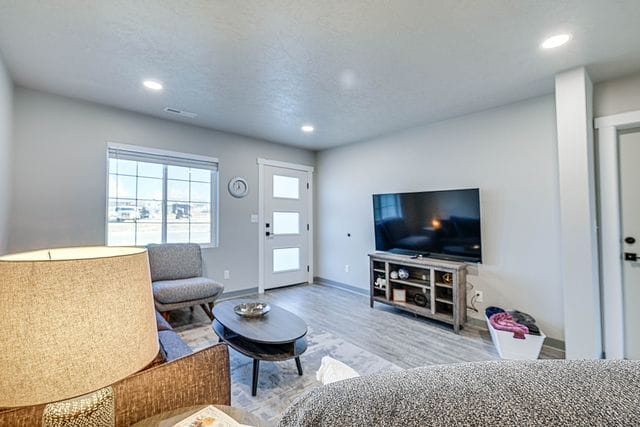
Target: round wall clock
point(238, 187)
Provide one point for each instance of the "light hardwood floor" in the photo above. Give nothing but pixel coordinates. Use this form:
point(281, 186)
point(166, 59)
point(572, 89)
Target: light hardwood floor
point(396, 336)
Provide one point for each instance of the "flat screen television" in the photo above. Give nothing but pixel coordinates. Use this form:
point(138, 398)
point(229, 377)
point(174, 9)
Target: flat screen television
point(437, 224)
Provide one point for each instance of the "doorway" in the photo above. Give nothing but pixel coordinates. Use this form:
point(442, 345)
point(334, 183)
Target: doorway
point(629, 149)
point(617, 143)
point(285, 224)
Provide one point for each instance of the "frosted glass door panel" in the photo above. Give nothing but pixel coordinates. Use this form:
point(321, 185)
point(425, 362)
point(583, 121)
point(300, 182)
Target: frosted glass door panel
point(286, 223)
point(286, 259)
point(286, 187)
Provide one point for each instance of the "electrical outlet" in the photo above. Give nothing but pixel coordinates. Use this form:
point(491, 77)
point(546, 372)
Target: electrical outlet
point(226, 274)
point(346, 268)
point(478, 296)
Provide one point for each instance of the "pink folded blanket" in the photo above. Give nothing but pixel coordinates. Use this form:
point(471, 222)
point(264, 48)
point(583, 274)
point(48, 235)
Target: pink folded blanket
point(504, 322)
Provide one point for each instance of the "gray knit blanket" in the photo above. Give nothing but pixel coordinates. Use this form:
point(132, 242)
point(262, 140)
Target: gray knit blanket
point(500, 393)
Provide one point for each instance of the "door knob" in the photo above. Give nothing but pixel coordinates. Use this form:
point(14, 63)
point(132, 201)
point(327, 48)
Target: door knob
point(629, 256)
point(268, 234)
point(629, 240)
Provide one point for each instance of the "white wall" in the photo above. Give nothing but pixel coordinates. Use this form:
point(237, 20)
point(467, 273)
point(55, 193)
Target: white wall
point(510, 153)
point(60, 176)
point(6, 109)
point(616, 96)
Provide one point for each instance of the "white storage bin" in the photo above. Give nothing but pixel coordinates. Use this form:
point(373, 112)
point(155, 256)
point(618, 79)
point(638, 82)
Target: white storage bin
point(513, 348)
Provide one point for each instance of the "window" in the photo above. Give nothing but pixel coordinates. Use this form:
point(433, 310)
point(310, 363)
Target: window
point(286, 187)
point(161, 197)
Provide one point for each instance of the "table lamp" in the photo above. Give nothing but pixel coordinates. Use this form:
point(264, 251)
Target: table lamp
point(75, 321)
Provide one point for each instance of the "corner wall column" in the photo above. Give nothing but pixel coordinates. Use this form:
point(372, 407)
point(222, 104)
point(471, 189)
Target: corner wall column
point(578, 218)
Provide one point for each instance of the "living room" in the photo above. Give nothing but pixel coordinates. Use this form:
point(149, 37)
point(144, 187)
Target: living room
point(532, 105)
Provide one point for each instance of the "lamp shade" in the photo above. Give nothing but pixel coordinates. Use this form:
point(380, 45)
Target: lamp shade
point(74, 320)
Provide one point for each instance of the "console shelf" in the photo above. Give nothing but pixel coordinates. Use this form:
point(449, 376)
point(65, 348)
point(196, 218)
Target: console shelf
point(435, 289)
point(416, 283)
point(444, 285)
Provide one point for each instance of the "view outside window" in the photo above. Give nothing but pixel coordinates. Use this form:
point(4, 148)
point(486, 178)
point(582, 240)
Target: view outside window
point(153, 202)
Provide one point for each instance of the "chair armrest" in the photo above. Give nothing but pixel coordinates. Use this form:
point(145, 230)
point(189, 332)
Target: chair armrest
point(25, 416)
point(200, 378)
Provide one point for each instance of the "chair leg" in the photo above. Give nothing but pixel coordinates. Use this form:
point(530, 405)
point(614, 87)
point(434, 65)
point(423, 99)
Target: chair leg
point(207, 311)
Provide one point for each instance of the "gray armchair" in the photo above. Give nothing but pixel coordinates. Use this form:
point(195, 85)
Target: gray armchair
point(176, 276)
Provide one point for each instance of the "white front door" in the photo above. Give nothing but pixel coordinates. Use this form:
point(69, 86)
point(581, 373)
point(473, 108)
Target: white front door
point(286, 229)
point(630, 201)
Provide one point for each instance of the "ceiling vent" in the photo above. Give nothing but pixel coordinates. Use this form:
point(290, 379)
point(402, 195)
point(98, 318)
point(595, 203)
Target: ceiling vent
point(180, 112)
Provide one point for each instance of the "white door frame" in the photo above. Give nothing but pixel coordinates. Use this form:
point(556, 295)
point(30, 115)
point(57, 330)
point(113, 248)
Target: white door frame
point(611, 229)
point(304, 168)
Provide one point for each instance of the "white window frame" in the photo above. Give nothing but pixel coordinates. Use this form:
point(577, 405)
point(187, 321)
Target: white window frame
point(215, 190)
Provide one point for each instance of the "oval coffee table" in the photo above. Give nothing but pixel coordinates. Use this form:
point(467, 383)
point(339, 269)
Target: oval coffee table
point(278, 335)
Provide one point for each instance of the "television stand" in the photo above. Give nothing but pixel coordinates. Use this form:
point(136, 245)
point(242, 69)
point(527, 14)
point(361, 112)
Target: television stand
point(435, 288)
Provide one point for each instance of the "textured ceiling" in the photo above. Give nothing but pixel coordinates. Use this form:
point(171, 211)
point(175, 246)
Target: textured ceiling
point(354, 69)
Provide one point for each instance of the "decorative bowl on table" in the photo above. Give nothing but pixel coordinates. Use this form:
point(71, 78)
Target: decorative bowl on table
point(252, 309)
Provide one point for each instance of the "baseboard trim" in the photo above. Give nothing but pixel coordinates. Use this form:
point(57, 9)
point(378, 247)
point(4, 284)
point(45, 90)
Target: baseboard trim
point(340, 285)
point(553, 343)
point(236, 294)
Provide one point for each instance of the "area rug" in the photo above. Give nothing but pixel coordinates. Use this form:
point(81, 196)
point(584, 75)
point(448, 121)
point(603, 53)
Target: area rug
point(279, 383)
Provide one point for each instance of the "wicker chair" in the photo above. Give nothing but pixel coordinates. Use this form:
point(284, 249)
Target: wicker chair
point(176, 275)
point(201, 378)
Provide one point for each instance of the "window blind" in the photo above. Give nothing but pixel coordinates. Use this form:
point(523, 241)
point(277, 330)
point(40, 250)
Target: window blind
point(162, 158)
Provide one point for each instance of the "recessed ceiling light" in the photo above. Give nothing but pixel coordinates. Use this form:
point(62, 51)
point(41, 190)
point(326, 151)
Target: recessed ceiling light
point(307, 128)
point(152, 84)
point(555, 41)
